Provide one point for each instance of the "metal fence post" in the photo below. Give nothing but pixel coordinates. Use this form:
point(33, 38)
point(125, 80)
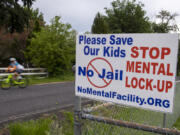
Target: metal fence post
point(77, 116)
point(164, 120)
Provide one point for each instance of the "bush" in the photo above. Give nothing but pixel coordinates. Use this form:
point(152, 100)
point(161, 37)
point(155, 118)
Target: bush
point(53, 47)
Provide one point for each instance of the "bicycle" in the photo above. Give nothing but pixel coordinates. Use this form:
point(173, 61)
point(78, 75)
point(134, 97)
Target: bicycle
point(8, 82)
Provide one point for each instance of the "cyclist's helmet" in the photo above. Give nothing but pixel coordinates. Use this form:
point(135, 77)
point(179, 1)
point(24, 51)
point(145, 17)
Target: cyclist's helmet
point(12, 59)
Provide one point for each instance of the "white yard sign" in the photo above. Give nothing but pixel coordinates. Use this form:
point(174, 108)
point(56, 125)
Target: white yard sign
point(131, 69)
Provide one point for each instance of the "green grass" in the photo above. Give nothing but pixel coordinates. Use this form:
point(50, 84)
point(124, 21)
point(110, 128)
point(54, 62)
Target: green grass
point(62, 78)
point(177, 124)
point(54, 126)
point(45, 126)
point(122, 113)
point(32, 127)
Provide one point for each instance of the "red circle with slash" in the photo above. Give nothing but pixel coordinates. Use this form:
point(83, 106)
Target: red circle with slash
point(95, 69)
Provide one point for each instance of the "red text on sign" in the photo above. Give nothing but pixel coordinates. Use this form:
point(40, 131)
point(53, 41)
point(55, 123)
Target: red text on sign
point(148, 84)
point(148, 68)
point(153, 52)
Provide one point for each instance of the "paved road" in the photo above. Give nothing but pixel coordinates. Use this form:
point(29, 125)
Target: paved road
point(15, 101)
point(35, 99)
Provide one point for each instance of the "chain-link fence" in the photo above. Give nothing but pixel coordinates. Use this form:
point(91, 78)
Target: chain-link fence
point(130, 114)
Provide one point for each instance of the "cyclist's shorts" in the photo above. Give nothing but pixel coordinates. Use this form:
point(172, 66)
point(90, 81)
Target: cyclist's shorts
point(19, 71)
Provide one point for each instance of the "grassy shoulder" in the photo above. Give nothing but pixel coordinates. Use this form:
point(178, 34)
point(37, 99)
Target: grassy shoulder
point(32, 127)
point(62, 78)
point(63, 124)
point(45, 125)
point(177, 124)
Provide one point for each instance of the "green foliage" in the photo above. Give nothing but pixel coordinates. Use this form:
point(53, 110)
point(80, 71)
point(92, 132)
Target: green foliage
point(64, 127)
point(44, 126)
point(53, 47)
point(13, 16)
point(99, 25)
point(177, 124)
point(68, 124)
point(14, 44)
point(127, 17)
point(166, 23)
point(38, 127)
point(55, 129)
point(27, 3)
point(36, 20)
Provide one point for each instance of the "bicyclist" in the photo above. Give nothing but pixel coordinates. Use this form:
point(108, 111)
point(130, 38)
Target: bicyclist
point(15, 67)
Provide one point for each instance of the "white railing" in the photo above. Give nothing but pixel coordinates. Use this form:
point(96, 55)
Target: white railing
point(27, 71)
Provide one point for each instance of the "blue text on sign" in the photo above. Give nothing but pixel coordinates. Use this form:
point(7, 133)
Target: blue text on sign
point(113, 40)
point(117, 75)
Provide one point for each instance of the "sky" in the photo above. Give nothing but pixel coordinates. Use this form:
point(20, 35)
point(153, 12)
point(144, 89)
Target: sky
point(80, 13)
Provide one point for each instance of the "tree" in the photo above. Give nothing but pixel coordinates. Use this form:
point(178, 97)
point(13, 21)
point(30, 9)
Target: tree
point(53, 47)
point(14, 44)
point(36, 20)
point(28, 3)
point(99, 25)
point(13, 16)
point(166, 22)
point(127, 17)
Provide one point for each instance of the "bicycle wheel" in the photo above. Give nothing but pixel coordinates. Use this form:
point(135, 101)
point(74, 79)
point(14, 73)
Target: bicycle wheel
point(23, 82)
point(5, 85)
